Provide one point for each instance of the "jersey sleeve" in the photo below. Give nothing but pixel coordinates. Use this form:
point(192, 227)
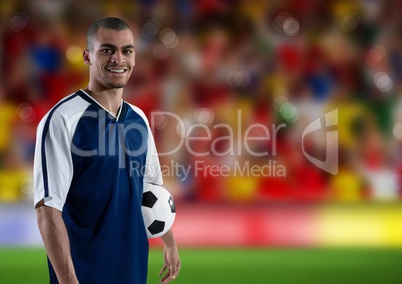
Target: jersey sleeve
point(53, 167)
point(153, 176)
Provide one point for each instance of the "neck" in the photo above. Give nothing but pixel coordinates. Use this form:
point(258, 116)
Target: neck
point(110, 99)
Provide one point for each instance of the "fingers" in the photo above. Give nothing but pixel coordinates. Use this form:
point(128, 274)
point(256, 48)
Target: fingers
point(172, 273)
point(162, 270)
point(167, 277)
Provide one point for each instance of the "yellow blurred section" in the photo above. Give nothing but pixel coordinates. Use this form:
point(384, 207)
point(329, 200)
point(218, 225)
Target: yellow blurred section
point(7, 119)
point(12, 185)
point(371, 225)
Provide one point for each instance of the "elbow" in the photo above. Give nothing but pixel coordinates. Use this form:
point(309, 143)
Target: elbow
point(42, 218)
point(47, 216)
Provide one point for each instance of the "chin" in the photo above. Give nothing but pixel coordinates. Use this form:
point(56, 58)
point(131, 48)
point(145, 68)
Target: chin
point(112, 85)
point(117, 86)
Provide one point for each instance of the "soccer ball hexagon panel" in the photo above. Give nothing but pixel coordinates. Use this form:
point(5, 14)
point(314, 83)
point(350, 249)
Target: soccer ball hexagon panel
point(158, 210)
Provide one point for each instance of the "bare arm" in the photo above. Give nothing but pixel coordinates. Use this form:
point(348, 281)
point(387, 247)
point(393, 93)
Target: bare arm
point(57, 243)
point(172, 259)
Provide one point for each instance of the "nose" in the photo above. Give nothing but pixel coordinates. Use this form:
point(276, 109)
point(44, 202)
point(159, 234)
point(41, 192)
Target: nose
point(117, 58)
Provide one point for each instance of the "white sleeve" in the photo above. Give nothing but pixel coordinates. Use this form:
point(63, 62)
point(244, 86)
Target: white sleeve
point(53, 167)
point(153, 173)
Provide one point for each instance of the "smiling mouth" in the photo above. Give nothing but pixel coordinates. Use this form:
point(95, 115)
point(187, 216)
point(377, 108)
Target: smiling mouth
point(116, 70)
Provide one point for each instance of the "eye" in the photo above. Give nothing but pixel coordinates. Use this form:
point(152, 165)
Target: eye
point(128, 51)
point(106, 51)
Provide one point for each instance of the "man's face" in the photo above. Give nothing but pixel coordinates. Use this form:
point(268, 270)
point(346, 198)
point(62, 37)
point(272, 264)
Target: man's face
point(112, 58)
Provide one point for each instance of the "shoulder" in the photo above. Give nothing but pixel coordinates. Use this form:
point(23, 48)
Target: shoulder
point(67, 108)
point(65, 114)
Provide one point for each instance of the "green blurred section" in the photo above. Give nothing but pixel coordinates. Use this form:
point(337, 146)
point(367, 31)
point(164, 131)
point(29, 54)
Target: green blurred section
point(23, 265)
point(282, 266)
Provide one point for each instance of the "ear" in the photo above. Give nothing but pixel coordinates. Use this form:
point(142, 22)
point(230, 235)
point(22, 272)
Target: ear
point(86, 57)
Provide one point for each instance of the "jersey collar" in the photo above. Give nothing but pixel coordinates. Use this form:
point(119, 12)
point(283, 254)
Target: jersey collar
point(122, 110)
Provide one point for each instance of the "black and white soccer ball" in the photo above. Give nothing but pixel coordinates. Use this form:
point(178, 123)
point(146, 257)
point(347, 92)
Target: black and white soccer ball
point(158, 210)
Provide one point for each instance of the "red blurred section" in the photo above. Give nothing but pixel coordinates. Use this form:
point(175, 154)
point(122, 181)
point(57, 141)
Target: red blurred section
point(239, 226)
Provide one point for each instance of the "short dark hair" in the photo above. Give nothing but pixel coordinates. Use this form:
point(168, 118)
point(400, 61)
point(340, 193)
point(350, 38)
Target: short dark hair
point(106, 23)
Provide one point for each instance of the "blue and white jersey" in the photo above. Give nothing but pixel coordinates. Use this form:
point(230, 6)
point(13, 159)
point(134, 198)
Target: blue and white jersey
point(92, 166)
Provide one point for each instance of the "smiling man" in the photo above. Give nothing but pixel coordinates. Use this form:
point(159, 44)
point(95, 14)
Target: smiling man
point(88, 202)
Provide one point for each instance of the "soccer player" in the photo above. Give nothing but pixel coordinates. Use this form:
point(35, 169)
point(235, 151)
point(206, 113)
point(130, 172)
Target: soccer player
point(87, 198)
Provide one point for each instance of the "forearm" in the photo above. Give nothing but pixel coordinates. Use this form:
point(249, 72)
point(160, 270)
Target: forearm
point(168, 239)
point(57, 244)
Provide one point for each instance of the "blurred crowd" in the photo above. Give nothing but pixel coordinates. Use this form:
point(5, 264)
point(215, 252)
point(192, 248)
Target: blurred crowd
point(210, 73)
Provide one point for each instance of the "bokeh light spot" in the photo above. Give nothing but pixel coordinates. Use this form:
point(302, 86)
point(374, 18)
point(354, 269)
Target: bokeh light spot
point(382, 81)
point(19, 22)
point(27, 191)
point(395, 181)
point(289, 112)
point(74, 54)
point(238, 78)
point(372, 57)
point(350, 22)
point(170, 39)
point(151, 28)
point(397, 131)
point(159, 120)
point(26, 112)
point(375, 55)
point(204, 115)
point(183, 126)
point(291, 26)
point(280, 96)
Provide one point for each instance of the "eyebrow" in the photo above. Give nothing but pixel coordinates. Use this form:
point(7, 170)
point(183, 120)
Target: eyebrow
point(115, 47)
